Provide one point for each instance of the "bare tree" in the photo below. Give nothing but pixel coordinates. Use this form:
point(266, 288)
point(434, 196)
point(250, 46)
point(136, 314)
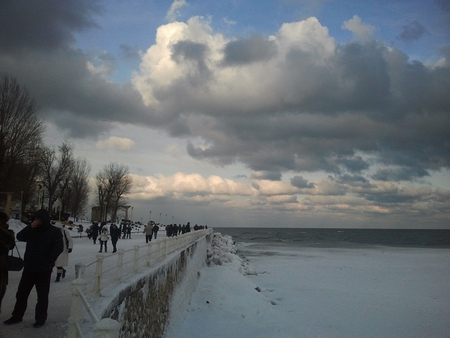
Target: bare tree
point(113, 183)
point(77, 193)
point(54, 170)
point(20, 131)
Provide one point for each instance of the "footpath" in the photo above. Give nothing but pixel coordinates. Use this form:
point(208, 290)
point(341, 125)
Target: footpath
point(60, 297)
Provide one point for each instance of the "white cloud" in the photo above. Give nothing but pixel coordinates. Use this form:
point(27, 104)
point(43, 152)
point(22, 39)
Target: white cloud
point(181, 185)
point(174, 10)
point(115, 143)
point(361, 30)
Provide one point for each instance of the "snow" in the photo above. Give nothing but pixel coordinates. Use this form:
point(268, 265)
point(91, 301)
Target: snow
point(280, 291)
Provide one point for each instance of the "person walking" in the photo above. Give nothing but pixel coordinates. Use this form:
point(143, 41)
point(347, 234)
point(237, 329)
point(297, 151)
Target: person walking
point(104, 239)
point(129, 231)
point(148, 231)
point(44, 245)
point(7, 242)
point(63, 258)
point(114, 231)
point(94, 231)
point(155, 230)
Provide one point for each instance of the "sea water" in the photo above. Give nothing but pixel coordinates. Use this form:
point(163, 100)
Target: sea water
point(313, 237)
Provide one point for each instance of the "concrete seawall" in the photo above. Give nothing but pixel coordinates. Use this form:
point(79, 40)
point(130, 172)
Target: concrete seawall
point(143, 308)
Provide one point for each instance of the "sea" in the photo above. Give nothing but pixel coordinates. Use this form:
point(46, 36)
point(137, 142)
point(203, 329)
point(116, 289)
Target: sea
point(327, 238)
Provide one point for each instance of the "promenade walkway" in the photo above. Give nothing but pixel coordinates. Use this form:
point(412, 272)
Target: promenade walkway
point(60, 293)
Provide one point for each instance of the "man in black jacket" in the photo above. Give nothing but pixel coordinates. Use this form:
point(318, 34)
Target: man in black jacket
point(44, 244)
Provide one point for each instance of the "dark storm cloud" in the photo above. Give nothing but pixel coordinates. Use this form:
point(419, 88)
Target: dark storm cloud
point(300, 182)
point(412, 32)
point(400, 174)
point(366, 98)
point(354, 181)
point(68, 84)
point(45, 24)
point(353, 165)
point(267, 175)
point(246, 51)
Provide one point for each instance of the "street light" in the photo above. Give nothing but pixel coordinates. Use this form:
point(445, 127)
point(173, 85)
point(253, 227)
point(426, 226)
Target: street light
point(104, 210)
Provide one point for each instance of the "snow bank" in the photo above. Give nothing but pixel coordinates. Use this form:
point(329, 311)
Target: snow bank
point(222, 249)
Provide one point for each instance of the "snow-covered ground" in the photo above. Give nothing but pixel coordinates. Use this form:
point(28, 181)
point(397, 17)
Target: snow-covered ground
point(286, 292)
point(84, 251)
point(316, 292)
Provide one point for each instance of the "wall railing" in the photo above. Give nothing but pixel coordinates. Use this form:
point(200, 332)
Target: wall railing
point(105, 268)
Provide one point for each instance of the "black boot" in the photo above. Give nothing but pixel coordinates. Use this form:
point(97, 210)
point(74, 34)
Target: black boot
point(58, 277)
point(64, 273)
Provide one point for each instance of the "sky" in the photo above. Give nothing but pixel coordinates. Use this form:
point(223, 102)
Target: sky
point(283, 113)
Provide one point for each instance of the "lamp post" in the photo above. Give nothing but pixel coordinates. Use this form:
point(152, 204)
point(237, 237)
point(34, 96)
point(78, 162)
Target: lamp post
point(104, 210)
point(132, 214)
point(150, 215)
point(21, 202)
point(40, 196)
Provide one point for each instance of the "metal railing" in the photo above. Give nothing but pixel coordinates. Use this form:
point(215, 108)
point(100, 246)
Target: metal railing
point(131, 260)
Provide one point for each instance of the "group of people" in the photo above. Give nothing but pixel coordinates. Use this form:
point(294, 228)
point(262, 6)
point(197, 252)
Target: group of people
point(175, 230)
point(47, 246)
point(151, 230)
point(101, 233)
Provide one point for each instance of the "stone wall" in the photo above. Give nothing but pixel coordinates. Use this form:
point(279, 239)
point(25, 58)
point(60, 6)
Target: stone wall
point(144, 307)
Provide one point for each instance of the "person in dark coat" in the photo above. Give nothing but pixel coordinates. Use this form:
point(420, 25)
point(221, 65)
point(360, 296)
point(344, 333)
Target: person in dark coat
point(114, 231)
point(155, 230)
point(44, 245)
point(94, 232)
point(188, 227)
point(7, 242)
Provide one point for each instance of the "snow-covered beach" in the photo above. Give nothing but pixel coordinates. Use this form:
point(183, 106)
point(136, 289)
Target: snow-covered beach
point(323, 292)
point(280, 291)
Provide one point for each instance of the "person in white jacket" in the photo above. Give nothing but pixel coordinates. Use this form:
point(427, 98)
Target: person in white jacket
point(104, 239)
point(63, 258)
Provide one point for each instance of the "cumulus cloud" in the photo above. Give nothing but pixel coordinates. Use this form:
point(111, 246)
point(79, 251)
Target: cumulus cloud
point(182, 185)
point(291, 102)
point(174, 10)
point(302, 103)
point(360, 30)
point(115, 143)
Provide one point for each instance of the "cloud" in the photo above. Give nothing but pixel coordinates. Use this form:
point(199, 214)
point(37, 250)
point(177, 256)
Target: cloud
point(115, 143)
point(174, 10)
point(412, 32)
point(292, 102)
point(187, 186)
point(71, 86)
point(300, 182)
point(247, 51)
point(307, 105)
point(44, 25)
point(360, 30)
point(400, 174)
